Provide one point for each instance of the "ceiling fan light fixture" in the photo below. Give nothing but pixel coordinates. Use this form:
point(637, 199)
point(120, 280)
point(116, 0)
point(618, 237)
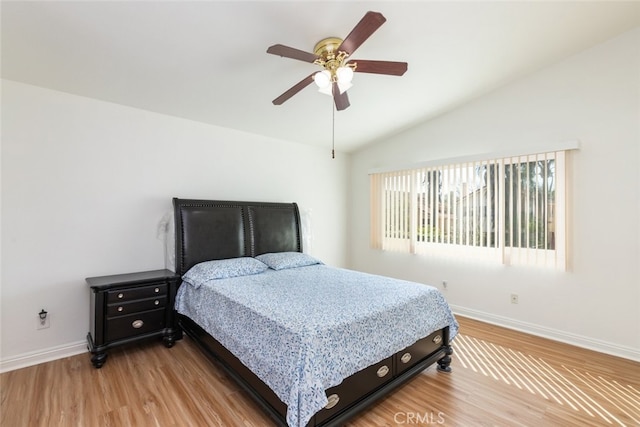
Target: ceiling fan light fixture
point(343, 87)
point(344, 74)
point(322, 79)
point(327, 90)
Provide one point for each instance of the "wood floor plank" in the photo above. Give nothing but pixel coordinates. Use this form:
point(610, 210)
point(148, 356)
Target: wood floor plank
point(500, 378)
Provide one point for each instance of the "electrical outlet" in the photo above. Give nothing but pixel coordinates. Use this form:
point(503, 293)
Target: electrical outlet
point(43, 323)
point(514, 298)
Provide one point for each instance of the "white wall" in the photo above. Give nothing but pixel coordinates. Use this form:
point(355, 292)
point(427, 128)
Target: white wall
point(593, 97)
point(85, 184)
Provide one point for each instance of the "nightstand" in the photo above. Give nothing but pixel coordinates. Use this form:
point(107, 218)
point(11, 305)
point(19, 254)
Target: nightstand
point(126, 308)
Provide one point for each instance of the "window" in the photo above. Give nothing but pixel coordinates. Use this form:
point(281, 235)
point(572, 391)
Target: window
point(510, 209)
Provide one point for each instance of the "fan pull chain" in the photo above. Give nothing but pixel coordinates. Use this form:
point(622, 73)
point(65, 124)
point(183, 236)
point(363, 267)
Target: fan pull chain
point(333, 130)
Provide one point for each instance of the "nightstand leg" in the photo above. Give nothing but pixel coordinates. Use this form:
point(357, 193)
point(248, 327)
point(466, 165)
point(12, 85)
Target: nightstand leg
point(171, 336)
point(98, 359)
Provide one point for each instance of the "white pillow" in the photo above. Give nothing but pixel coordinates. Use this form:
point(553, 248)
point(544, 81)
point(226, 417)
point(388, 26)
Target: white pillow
point(283, 260)
point(222, 269)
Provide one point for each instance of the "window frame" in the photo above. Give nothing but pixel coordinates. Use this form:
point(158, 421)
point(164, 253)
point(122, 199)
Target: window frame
point(407, 217)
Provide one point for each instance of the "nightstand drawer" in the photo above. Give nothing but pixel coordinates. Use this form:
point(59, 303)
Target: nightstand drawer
point(135, 324)
point(130, 294)
point(125, 308)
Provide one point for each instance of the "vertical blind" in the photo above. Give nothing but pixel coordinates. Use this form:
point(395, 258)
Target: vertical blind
point(511, 209)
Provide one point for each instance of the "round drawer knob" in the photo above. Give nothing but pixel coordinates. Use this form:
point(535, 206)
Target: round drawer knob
point(120, 308)
point(437, 339)
point(156, 302)
point(384, 370)
point(137, 324)
point(156, 290)
point(120, 296)
point(333, 401)
point(405, 358)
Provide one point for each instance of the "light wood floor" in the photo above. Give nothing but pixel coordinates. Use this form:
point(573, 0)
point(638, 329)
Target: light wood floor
point(500, 378)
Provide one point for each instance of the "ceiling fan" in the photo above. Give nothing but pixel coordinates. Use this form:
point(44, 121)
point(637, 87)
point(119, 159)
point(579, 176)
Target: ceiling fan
point(332, 54)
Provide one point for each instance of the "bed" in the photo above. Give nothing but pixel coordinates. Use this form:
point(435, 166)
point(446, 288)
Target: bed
point(279, 322)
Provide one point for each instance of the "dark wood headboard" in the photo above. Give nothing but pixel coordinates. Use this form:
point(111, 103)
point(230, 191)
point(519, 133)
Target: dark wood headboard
point(215, 229)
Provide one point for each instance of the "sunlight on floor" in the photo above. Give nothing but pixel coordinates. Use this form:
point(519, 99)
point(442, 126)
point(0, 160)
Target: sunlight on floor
point(580, 390)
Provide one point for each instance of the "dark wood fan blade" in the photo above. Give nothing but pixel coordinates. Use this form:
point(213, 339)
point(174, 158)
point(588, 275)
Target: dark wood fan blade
point(362, 31)
point(341, 99)
point(295, 89)
point(293, 53)
point(380, 67)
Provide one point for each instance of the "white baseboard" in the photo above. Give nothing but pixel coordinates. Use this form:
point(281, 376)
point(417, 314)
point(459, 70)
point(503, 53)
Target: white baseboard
point(553, 334)
point(41, 356)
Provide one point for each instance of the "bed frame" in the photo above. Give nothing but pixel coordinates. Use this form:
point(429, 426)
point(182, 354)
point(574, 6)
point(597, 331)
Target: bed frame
point(208, 229)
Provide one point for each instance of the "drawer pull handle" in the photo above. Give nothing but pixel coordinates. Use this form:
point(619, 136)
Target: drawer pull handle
point(120, 295)
point(437, 339)
point(333, 401)
point(405, 358)
point(156, 302)
point(120, 308)
point(137, 324)
point(156, 290)
point(384, 370)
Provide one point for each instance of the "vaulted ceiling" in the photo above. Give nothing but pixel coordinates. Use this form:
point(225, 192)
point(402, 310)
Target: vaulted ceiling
point(206, 60)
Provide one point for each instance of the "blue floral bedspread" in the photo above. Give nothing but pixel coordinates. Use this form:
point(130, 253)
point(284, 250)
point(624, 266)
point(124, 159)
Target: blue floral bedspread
point(303, 330)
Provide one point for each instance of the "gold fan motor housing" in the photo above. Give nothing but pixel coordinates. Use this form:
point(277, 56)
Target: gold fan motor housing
point(327, 48)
